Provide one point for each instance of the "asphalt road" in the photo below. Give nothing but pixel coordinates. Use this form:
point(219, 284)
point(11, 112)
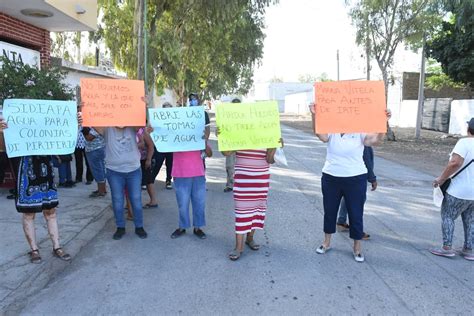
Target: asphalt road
point(191, 276)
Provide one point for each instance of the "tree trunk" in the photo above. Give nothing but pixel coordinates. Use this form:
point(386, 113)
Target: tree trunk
point(390, 134)
point(77, 42)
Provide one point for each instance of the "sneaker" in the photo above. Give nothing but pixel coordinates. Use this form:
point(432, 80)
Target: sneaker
point(228, 189)
point(198, 232)
point(178, 233)
point(342, 227)
point(467, 254)
point(119, 233)
point(359, 257)
point(168, 185)
point(443, 252)
point(469, 257)
point(322, 249)
point(141, 232)
point(88, 182)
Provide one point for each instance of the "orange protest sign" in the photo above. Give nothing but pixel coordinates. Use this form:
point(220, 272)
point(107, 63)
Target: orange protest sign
point(350, 107)
point(112, 102)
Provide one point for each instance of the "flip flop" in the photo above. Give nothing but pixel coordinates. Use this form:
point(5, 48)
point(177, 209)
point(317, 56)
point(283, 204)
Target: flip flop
point(252, 245)
point(150, 205)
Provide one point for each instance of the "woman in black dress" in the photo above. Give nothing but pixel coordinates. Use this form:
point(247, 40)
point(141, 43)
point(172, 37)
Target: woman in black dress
point(36, 193)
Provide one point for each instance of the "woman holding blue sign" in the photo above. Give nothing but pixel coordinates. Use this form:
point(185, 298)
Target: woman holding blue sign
point(36, 193)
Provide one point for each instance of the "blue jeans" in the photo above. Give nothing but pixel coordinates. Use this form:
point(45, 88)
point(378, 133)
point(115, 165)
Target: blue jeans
point(118, 182)
point(353, 190)
point(192, 190)
point(96, 159)
point(64, 170)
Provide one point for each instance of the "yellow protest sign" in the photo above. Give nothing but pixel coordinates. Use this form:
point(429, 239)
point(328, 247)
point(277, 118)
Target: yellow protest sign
point(248, 125)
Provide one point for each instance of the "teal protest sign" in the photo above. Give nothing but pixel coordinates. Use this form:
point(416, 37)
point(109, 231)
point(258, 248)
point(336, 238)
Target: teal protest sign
point(177, 129)
point(40, 127)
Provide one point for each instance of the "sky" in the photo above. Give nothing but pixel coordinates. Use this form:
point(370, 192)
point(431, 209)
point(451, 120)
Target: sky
point(303, 36)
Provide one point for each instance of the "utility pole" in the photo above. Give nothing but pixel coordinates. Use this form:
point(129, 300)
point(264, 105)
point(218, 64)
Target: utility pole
point(145, 40)
point(337, 57)
point(421, 88)
point(139, 4)
point(367, 46)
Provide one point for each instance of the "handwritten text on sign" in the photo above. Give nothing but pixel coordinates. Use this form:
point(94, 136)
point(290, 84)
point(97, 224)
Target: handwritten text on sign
point(109, 102)
point(40, 127)
point(178, 129)
point(248, 125)
point(350, 107)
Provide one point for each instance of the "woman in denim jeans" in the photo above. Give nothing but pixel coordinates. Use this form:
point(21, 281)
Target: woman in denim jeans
point(122, 163)
point(95, 155)
point(190, 187)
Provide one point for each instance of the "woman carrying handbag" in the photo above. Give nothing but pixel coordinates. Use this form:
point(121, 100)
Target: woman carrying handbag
point(459, 197)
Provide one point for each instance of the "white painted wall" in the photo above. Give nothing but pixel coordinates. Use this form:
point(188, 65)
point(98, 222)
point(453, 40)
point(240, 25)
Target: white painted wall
point(298, 102)
point(461, 112)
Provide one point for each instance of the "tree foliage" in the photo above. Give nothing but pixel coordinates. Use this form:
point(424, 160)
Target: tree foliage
point(437, 79)
point(204, 46)
point(23, 81)
point(382, 25)
point(453, 44)
point(309, 78)
point(389, 23)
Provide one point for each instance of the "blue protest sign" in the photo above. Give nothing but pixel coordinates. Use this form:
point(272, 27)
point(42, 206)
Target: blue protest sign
point(177, 129)
point(40, 127)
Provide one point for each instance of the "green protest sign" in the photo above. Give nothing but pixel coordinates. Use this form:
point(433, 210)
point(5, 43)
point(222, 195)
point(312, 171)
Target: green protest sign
point(248, 125)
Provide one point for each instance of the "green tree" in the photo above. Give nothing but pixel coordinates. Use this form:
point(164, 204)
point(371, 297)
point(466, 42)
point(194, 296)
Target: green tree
point(26, 82)
point(309, 78)
point(202, 46)
point(276, 79)
point(437, 79)
point(382, 25)
point(453, 44)
point(61, 44)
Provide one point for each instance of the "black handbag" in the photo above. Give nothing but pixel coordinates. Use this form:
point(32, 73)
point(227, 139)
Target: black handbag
point(444, 187)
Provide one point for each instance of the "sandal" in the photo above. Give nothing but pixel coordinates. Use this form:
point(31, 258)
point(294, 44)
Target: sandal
point(35, 256)
point(96, 193)
point(234, 255)
point(59, 252)
point(252, 245)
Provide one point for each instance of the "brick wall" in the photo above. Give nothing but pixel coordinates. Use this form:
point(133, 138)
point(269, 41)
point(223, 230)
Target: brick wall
point(23, 34)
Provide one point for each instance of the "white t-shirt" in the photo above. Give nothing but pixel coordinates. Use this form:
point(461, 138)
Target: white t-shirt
point(462, 187)
point(344, 155)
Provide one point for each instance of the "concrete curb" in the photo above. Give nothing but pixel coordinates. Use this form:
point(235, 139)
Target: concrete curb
point(51, 267)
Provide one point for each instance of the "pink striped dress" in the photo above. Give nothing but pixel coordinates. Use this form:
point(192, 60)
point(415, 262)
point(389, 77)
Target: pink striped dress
point(251, 184)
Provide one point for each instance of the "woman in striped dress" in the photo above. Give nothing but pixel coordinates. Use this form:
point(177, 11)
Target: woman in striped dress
point(251, 184)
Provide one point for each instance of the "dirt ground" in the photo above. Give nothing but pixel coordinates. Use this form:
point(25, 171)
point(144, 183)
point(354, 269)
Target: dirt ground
point(429, 154)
